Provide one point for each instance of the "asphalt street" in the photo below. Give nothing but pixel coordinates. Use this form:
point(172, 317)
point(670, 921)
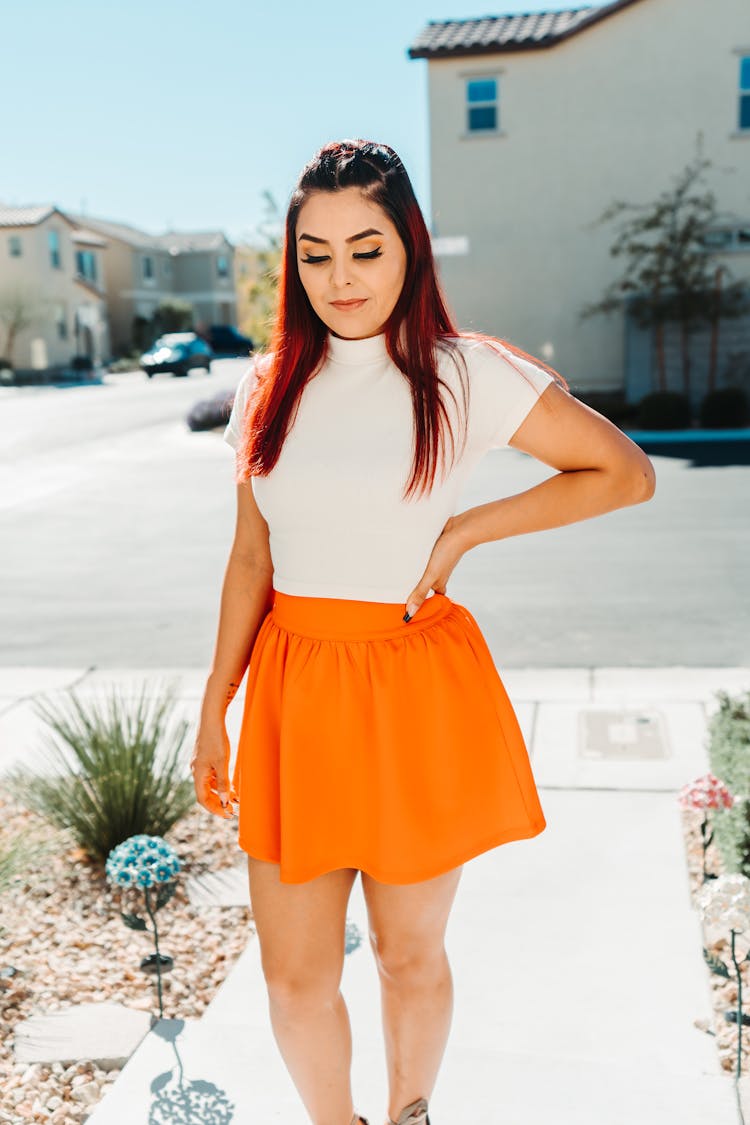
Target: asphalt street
point(116, 521)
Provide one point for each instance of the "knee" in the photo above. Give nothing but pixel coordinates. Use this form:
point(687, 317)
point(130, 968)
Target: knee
point(292, 987)
point(418, 962)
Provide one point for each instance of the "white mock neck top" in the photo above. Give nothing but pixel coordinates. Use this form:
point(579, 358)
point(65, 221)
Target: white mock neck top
point(338, 525)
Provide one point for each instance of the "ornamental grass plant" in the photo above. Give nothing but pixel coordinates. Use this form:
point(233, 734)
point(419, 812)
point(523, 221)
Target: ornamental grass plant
point(117, 768)
point(729, 755)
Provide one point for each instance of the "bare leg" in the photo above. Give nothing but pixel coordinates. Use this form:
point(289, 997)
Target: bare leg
point(301, 930)
point(407, 933)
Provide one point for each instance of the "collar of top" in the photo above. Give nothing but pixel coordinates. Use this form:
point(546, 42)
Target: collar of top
point(343, 350)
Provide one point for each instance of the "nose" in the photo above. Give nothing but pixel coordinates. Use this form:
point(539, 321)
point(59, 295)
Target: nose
point(340, 277)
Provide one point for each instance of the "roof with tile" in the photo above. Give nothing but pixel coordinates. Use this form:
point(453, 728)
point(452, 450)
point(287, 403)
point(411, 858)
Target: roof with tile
point(122, 231)
point(89, 230)
point(29, 215)
point(522, 31)
point(182, 242)
point(87, 237)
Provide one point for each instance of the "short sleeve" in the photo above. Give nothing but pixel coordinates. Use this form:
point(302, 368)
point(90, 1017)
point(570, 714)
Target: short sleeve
point(508, 387)
point(233, 430)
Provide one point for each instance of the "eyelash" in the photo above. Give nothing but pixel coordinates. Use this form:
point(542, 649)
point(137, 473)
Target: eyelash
point(367, 257)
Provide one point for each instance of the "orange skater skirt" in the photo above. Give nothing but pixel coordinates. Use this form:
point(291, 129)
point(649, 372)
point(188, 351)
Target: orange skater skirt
point(379, 744)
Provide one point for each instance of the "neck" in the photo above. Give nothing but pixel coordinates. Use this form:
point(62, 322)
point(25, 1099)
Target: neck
point(342, 349)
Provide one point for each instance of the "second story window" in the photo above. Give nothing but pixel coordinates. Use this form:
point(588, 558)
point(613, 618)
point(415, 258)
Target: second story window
point(86, 264)
point(744, 105)
point(53, 242)
point(222, 266)
point(481, 105)
point(14, 246)
point(148, 268)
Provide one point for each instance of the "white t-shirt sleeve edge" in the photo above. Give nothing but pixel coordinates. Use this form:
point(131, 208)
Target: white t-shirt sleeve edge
point(528, 388)
point(233, 430)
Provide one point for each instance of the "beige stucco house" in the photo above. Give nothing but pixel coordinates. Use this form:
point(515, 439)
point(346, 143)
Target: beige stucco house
point(74, 285)
point(52, 289)
point(538, 122)
point(144, 269)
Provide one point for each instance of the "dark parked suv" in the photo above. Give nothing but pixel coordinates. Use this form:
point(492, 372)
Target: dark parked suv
point(177, 352)
point(225, 340)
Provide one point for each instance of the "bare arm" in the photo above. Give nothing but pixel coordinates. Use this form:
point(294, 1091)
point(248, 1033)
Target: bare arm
point(245, 599)
point(600, 469)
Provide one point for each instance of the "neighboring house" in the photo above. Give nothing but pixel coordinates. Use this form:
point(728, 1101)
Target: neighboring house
point(538, 122)
point(52, 290)
point(204, 274)
point(142, 270)
point(138, 275)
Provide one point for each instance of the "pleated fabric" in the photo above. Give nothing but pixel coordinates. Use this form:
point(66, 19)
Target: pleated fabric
point(379, 744)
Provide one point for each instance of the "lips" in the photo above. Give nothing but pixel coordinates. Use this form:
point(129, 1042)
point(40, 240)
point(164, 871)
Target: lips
point(348, 304)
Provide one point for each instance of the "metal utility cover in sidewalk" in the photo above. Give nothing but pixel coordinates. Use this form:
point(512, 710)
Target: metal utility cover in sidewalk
point(622, 735)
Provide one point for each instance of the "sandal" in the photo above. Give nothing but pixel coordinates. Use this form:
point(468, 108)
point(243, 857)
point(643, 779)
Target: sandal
point(357, 1119)
point(414, 1114)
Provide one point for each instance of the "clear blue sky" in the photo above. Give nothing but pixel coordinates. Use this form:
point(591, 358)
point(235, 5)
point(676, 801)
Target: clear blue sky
point(173, 113)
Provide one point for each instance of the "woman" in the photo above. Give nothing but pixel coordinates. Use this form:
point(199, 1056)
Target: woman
point(377, 735)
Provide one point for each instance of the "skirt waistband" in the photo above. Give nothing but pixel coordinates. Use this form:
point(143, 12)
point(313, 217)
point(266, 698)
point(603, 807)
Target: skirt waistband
point(346, 619)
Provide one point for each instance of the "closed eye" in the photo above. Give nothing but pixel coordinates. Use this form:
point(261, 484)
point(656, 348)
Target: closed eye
point(322, 257)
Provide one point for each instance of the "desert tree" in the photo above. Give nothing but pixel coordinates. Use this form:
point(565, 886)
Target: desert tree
point(670, 272)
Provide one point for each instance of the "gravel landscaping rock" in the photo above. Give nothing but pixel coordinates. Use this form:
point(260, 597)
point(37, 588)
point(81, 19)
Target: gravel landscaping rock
point(723, 992)
point(63, 943)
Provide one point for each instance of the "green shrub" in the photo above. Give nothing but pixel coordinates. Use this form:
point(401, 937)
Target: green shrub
point(725, 408)
point(120, 788)
point(664, 410)
point(729, 755)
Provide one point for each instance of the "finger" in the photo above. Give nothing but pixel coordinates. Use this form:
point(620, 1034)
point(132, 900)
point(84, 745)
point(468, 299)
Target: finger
point(227, 795)
point(415, 599)
point(208, 795)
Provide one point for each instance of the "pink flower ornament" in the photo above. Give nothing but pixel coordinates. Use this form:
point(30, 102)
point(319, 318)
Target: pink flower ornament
point(707, 792)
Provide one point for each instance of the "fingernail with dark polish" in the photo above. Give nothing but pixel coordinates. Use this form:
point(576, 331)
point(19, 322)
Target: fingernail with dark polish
point(407, 617)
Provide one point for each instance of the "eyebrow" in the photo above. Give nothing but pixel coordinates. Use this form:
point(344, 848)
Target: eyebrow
point(354, 237)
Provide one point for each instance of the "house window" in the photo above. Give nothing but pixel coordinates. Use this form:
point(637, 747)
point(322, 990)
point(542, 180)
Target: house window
point(727, 238)
point(148, 268)
point(744, 107)
point(222, 267)
point(14, 246)
point(53, 242)
point(481, 105)
point(86, 264)
point(61, 322)
point(718, 239)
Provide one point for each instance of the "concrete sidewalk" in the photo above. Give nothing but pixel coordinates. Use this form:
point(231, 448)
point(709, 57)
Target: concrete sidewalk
point(576, 955)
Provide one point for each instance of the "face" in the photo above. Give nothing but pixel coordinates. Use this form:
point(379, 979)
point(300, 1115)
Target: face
point(348, 248)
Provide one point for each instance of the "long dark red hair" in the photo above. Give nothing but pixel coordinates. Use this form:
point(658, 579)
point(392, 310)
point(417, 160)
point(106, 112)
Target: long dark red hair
point(419, 325)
